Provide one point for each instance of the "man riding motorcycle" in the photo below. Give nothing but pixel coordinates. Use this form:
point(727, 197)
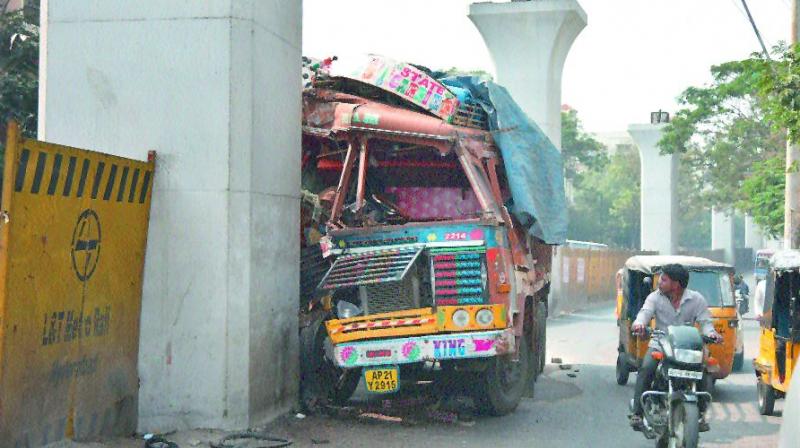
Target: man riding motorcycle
point(671, 304)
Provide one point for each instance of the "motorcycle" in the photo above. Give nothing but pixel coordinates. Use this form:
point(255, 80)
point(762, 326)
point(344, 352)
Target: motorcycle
point(671, 411)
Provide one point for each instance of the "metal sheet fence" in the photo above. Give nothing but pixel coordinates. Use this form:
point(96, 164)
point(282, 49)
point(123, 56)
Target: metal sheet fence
point(585, 277)
point(73, 228)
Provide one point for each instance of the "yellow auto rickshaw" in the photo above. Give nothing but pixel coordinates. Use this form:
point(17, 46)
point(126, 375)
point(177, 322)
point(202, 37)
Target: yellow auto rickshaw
point(780, 329)
point(639, 277)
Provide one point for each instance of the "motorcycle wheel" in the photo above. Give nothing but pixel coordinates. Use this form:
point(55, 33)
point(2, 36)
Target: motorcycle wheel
point(622, 370)
point(685, 425)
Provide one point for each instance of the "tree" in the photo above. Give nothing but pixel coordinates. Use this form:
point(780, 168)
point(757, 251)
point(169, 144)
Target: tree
point(580, 151)
point(731, 136)
point(19, 70)
point(606, 189)
point(763, 195)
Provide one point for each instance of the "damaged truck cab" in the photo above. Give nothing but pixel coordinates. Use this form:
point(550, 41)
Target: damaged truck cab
point(429, 265)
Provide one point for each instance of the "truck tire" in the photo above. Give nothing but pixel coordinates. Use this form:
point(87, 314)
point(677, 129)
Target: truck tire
point(541, 337)
point(501, 387)
point(738, 362)
point(320, 378)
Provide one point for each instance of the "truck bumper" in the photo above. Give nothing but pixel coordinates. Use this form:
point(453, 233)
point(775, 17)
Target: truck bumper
point(450, 346)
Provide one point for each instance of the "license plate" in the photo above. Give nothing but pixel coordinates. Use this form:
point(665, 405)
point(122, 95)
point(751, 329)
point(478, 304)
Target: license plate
point(688, 374)
point(382, 380)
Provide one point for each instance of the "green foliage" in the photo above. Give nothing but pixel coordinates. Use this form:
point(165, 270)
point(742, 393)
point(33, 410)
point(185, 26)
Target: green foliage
point(779, 85)
point(721, 131)
point(19, 70)
point(581, 153)
point(763, 197)
point(606, 207)
point(731, 136)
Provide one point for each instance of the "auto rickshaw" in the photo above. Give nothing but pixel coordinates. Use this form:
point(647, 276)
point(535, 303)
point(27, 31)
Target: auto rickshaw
point(780, 330)
point(639, 277)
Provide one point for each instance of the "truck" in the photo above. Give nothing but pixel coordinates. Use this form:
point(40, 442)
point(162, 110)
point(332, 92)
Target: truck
point(431, 260)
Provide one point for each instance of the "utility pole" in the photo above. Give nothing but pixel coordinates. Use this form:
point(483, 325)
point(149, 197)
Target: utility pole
point(791, 214)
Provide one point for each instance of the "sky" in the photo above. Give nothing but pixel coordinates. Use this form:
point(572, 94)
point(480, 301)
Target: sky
point(633, 57)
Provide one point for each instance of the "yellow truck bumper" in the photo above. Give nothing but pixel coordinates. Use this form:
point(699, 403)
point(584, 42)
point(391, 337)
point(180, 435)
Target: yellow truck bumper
point(423, 321)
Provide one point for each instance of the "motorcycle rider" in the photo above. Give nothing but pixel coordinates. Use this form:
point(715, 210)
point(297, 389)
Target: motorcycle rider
point(670, 304)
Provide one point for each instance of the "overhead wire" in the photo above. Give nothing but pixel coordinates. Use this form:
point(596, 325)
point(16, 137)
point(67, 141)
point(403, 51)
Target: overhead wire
point(758, 33)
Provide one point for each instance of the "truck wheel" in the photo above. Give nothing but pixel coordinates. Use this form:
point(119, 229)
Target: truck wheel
point(622, 370)
point(320, 378)
point(541, 337)
point(502, 385)
point(738, 362)
point(766, 398)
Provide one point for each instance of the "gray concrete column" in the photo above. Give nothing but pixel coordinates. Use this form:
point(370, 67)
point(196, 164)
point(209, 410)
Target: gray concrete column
point(753, 238)
point(214, 88)
point(528, 42)
point(659, 201)
point(722, 234)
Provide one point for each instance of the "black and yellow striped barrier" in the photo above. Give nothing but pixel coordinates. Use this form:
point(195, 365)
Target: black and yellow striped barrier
point(74, 229)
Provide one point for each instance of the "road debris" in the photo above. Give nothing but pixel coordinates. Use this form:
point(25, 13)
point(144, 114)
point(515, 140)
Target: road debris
point(250, 439)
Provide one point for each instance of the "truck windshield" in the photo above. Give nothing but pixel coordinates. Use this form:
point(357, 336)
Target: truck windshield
point(411, 184)
point(714, 286)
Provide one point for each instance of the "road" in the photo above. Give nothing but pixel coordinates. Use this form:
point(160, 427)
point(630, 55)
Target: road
point(589, 409)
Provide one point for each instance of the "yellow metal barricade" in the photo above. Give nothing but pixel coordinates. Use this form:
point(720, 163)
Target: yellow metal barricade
point(74, 229)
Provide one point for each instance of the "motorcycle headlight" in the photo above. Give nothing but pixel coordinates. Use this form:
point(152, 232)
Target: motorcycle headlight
point(461, 318)
point(484, 317)
point(688, 356)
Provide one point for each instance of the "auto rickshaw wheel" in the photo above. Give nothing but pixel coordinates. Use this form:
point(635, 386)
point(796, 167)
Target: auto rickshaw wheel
point(738, 362)
point(501, 387)
point(622, 370)
point(766, 398)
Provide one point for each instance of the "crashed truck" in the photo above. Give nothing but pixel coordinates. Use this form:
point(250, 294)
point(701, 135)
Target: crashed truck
point(431, 208)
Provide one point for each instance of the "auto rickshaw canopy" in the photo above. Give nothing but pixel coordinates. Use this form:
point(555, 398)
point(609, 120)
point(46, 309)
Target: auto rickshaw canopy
point(650, 264)
point(785, 260)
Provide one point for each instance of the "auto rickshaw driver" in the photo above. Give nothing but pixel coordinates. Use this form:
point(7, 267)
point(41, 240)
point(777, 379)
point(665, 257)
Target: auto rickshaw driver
point(670, 304)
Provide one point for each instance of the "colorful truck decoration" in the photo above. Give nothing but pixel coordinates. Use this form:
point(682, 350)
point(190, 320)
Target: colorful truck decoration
point(426, 267)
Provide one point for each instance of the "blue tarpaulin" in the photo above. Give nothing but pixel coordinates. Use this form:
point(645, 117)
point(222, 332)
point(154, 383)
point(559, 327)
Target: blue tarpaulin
point(533, 164)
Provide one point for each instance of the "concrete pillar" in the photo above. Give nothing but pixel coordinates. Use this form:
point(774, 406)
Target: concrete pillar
point(214, 88)
point(722, 233)
point(528, 42)
point(753, 238)
point(659, 201)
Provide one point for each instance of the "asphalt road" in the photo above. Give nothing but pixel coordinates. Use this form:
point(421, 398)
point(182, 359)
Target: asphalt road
point(579, 407)
point(589, 409)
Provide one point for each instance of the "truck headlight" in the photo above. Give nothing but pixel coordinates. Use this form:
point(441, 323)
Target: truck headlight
point(461, 318)
point(485, 317)
point(688, 356)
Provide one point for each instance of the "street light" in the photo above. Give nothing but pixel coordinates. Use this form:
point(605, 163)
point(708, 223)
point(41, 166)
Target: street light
point(659, 117)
